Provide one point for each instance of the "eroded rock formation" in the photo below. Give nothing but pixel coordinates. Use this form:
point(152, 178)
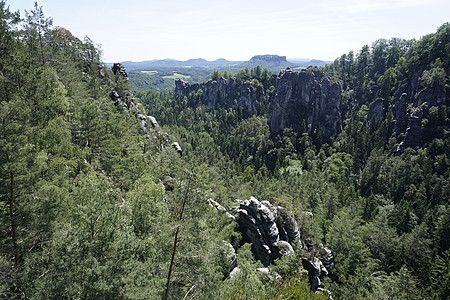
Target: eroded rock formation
point(307, 98)
point(411, 107)
point(224, 93)
point(273, 232)
point(126, 102)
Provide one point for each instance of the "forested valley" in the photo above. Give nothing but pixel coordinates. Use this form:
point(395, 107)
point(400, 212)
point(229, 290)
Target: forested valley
point(110, 193)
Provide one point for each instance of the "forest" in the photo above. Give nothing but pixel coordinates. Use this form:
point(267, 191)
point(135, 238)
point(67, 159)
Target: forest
point(96, 202)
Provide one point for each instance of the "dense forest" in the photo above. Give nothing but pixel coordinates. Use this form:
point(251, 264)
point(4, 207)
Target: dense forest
point(99, 203)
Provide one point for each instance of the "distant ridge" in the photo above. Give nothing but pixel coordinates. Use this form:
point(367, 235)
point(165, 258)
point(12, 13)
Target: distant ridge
point(270, 61)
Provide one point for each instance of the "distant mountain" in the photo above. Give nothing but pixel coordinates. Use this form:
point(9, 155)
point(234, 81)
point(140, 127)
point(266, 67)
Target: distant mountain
point(272, 62)
point(306, 62)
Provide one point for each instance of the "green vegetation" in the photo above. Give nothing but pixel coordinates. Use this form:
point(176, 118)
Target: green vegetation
point(92, 209)
point(162, 79)
point(176, 75)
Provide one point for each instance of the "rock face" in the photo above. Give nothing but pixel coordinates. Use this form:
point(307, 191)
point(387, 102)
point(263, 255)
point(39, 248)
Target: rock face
point(306, 100)
point(308, 95)
point(224, 93)
point(120, 68)
point(412, 105)
point(376, 111)
point(257, 223)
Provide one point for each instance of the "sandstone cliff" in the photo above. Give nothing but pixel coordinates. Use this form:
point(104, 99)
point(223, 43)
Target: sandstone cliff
point(225, 93)
point(306, 100)
point(411, 110)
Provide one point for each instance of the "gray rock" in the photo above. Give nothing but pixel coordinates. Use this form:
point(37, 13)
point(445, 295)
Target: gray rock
point(231, 258)
point(120, 68)
point(153, 121)
point(399, 112)
point(272, 230)
point(258, 226)
point(288, 227)
point(305, 98)
point(224, 93)
point(234, 273)
point(412, 103)
point(376, 111)
point(327, 258)
point(315, 269)
point(413, 133)
point(177, 147)
point(285, 249)
point(300, 98)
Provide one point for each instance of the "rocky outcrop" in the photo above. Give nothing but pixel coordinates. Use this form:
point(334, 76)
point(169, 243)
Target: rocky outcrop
point(231, 258)
point(177, 148)
point(273, 232)
point(316, 270)
point(376, 111)
point(120, 68)
point(257, 223)
point(412, 105)
point(224, 93)
point(399, 112)
point(306, 98)
point(149, 126)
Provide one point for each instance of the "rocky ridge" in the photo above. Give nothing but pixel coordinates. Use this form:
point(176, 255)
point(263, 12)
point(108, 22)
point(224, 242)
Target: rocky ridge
point(125, 101)
point(300, 99)
point(224, 93)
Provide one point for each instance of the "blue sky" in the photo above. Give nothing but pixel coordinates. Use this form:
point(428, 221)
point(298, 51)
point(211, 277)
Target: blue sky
point(140, 30)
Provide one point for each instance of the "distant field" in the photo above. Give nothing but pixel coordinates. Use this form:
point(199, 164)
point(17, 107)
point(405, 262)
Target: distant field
point(177, 75)
point(149, 72)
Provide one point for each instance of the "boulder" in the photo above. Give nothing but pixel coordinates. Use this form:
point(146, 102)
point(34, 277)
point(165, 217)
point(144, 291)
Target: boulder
point(153, 121)
point(315, 269)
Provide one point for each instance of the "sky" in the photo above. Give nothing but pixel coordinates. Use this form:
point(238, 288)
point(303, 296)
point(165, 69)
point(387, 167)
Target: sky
point(139, 30)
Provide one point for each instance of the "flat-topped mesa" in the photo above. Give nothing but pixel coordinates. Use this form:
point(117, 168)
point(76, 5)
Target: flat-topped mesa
point(307, 98)
point(270, 58)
